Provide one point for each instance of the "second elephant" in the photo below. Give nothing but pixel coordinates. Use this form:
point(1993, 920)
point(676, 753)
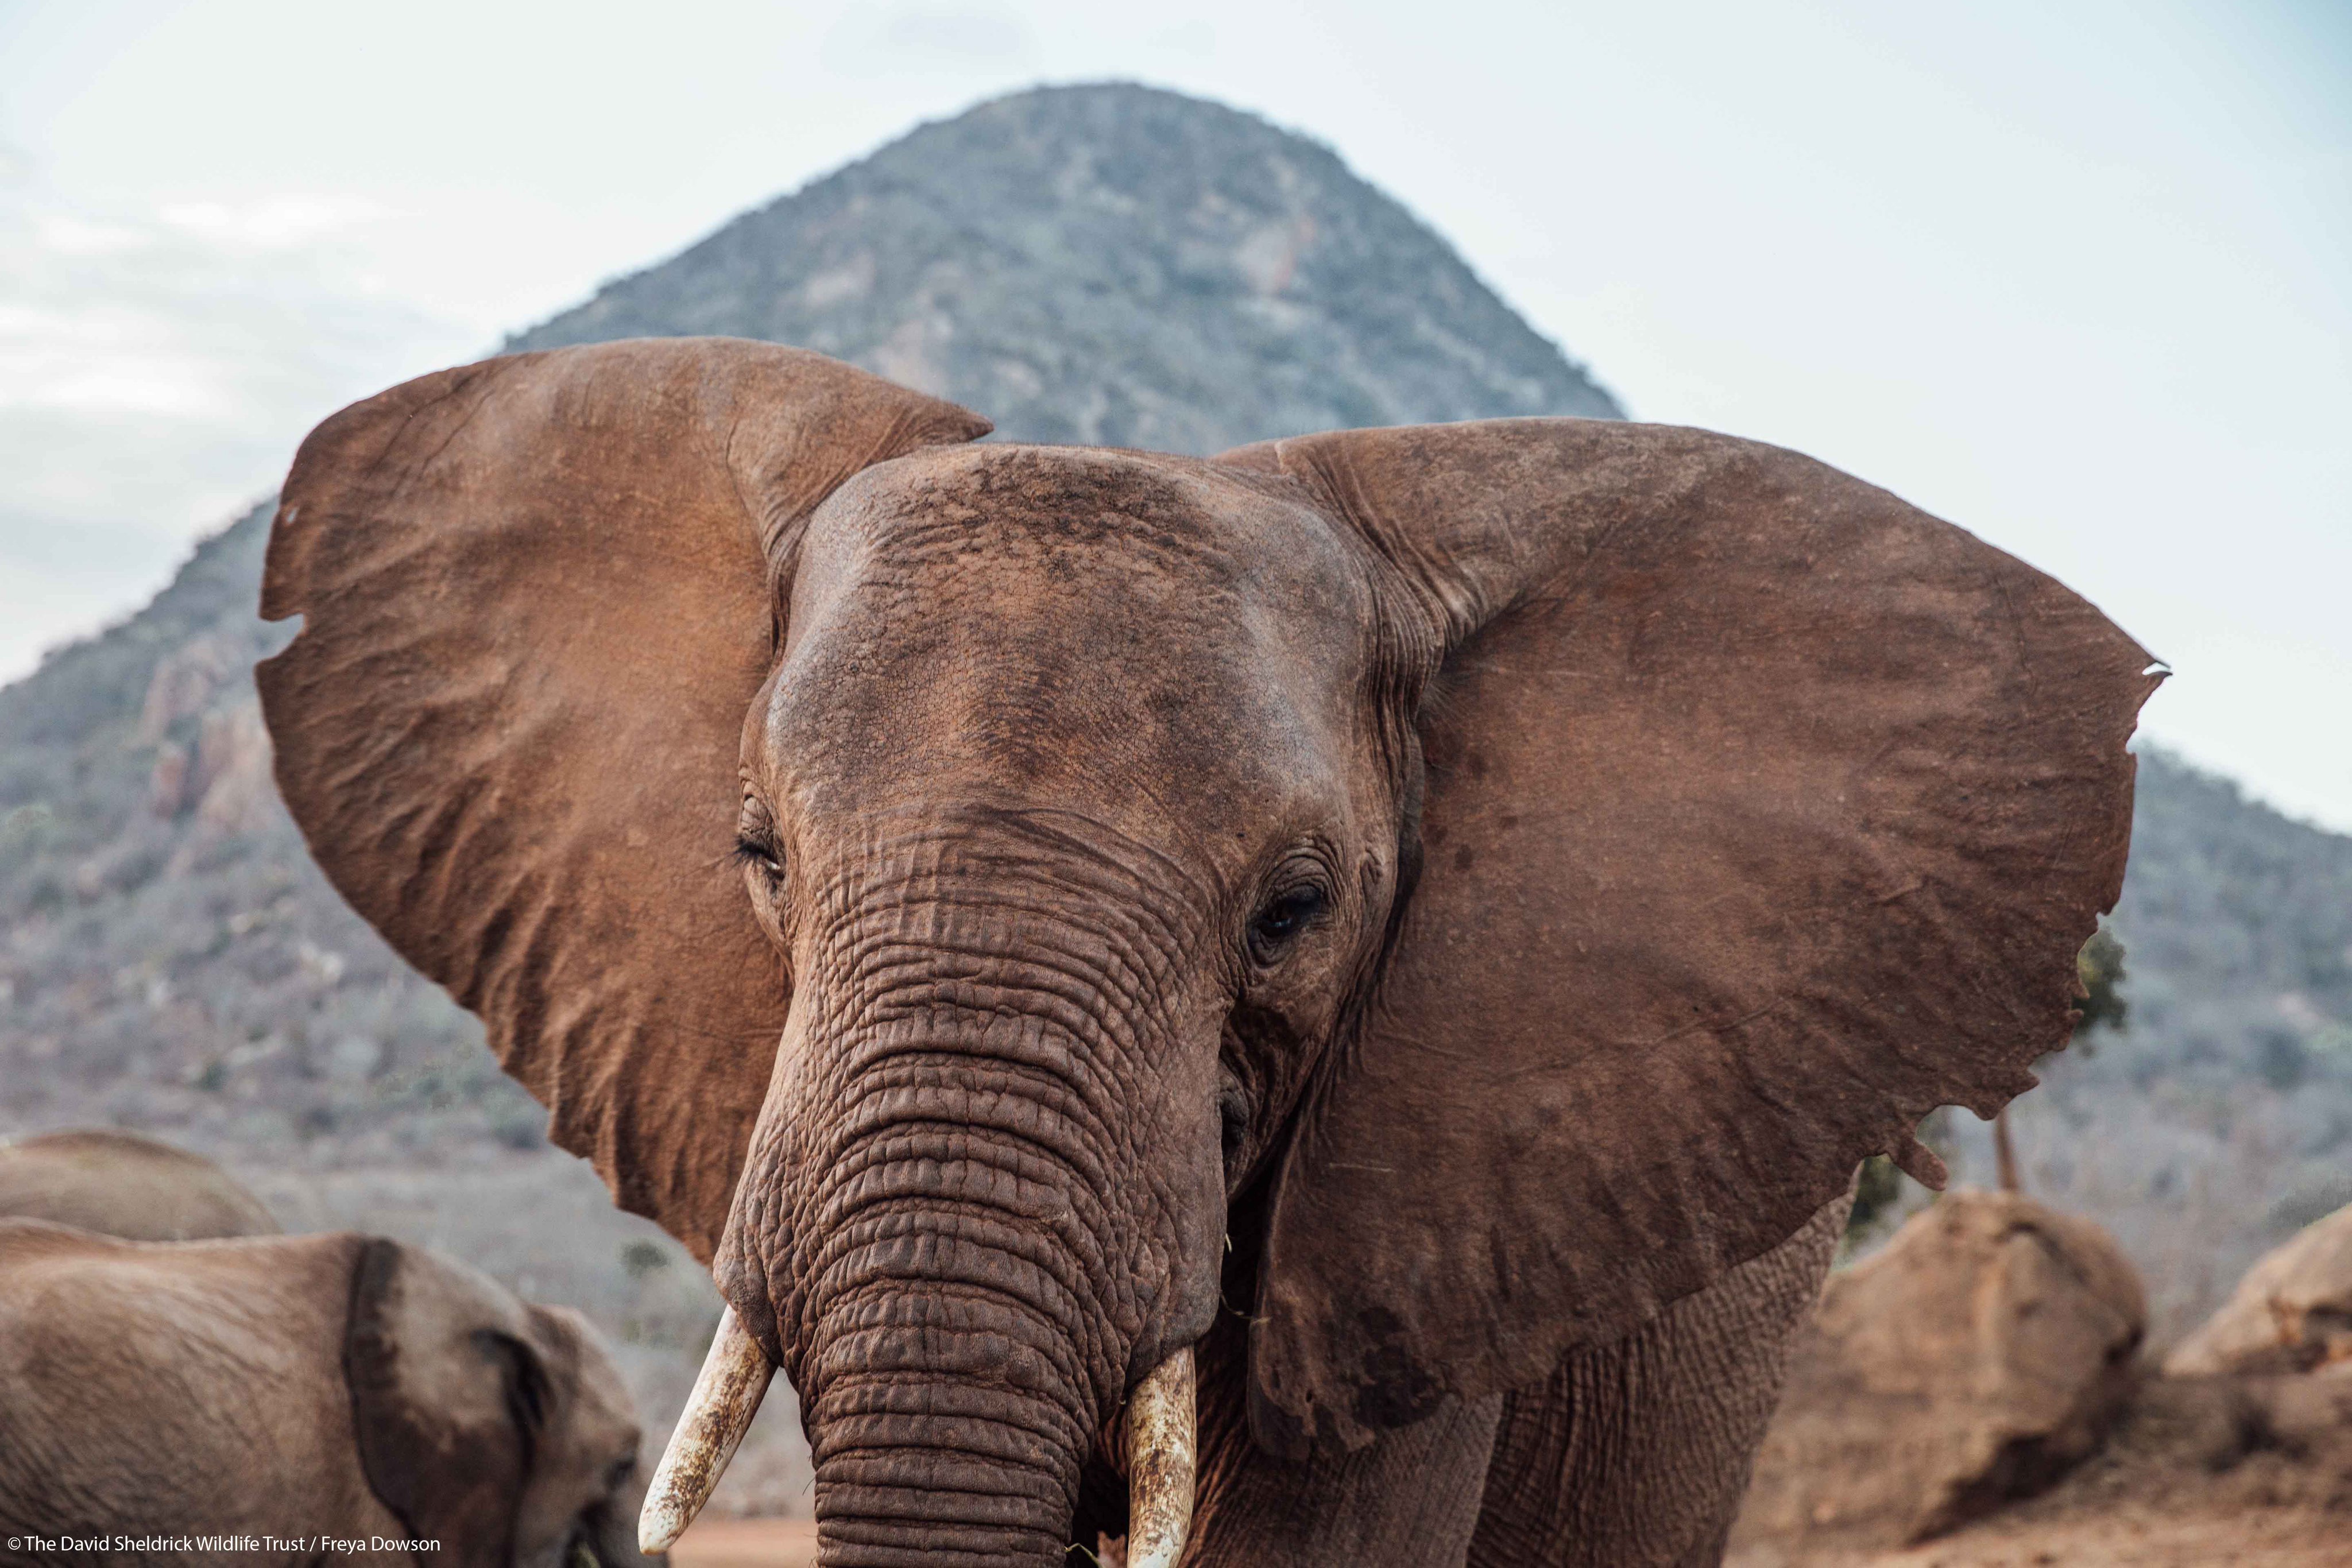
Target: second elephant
point(294, 1387)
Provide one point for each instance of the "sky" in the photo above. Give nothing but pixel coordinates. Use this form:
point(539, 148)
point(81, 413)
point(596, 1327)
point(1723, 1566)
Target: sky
point(2077, 277)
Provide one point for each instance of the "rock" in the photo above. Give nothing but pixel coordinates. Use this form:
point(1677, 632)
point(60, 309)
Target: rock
point(232, 784)
point(1987, 1350)
point(2291, 1313)
point(185, 682)
point(167, 783)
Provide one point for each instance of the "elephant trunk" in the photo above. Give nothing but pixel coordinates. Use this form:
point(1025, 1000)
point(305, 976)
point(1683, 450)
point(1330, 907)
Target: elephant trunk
point(963, 1315)
point(615, 1537)
point(911, 1466)
point(976, 1201)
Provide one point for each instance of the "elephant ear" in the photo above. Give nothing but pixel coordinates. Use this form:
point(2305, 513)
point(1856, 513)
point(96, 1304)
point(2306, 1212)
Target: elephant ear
point(1762, 814)
point(449, 1397)
point(537, 608)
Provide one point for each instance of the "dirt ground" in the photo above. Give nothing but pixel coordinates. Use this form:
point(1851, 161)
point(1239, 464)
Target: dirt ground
point(747, 1544)
point(2263, 1538)
point(2203, 1473)
point(2269, 1538)
point(2261, 1541)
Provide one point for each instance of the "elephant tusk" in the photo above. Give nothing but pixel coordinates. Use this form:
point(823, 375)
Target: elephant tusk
point(1160, 1449)
point(726, 1395)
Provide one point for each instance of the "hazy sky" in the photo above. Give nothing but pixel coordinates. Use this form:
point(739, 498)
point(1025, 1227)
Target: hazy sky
point(2078, 276)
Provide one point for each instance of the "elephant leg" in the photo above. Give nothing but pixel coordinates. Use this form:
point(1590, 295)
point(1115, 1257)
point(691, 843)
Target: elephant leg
point(1636, 1454)
point(1410, 1499)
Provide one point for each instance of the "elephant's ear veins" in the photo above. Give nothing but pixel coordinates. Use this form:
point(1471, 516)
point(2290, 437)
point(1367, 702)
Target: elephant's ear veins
point(536, 605)
point(1764, 813)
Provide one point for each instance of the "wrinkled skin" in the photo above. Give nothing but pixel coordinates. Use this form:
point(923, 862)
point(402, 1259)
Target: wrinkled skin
point(1633, 1453)
point(298, 1387)
point(1431, 917)
point(120, 1184)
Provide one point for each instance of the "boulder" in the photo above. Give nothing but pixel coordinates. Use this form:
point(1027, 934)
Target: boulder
point(1985, 1351)
point(2291, 1313)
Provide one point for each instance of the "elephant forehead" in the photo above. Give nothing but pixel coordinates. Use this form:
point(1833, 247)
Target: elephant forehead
point(1029, 520)
point(1044, 615)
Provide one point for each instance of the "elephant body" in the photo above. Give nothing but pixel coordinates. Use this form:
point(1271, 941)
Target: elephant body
point(1411, 927)
point(1638, 1453)
point(290, 1388)
point(120, 1184)
point(1632, 1454)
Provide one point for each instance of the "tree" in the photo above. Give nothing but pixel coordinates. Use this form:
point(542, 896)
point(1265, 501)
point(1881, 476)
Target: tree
point(2099, 970)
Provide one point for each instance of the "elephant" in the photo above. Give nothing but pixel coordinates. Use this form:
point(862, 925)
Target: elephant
point(1337, 988)
point(289, 1388)
point(120, 1184)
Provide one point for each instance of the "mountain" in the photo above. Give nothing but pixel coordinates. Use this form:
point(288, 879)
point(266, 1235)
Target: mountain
point(1101, 264)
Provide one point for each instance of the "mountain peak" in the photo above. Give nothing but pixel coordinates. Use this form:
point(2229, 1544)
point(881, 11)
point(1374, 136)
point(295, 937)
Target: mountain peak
point(1113, 265)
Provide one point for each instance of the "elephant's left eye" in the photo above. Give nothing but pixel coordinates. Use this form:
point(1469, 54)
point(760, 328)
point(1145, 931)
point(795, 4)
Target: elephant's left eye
point(1284, 915)
point(761, 854)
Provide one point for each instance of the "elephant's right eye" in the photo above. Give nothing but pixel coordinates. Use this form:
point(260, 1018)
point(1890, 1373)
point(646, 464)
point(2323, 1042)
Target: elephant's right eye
point(755, 840)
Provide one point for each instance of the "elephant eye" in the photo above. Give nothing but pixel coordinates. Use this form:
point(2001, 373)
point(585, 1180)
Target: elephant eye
point(761, 854)
point(1286, 915)
point(755, 840)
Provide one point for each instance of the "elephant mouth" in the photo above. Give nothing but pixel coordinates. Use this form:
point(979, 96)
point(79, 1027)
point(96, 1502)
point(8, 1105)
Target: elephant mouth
point(1161, 1445)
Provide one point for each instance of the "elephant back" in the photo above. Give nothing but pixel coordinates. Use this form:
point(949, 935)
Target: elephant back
point(120, 1184)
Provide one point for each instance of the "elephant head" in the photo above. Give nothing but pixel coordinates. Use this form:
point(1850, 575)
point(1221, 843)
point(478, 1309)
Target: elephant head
point(499, 1427)
point(1517, 868)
